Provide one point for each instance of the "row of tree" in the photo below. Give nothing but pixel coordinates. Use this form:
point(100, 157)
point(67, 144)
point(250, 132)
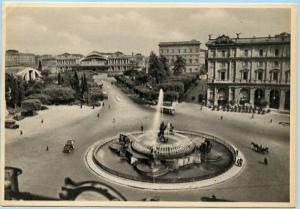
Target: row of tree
point(14, 90)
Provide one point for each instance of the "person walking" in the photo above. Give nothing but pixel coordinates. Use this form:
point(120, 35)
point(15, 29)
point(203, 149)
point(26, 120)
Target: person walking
point(252, 116)
point(42, 121)
point(271, 121)
point(142, 128)
point(47, 148)
point(21, 132)
point(98, 115)
point(265, 161)
point(221, 117)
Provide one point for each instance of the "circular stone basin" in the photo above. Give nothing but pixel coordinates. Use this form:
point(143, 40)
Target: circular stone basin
point(177, 145)
point(219, 164)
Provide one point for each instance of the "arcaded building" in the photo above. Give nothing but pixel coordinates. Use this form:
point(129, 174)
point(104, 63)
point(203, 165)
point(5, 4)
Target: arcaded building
point(249, 70)
point(189, 50)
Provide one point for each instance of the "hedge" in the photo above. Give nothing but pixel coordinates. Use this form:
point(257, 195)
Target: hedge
point(60, 94)
point(44, 98)
point(31, 104)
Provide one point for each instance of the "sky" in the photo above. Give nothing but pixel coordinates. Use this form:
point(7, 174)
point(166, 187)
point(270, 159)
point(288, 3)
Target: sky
point(53, 30)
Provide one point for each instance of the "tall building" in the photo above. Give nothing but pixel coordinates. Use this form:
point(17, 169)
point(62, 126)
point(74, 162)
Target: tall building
point(249, 70)
point(16, 58)
point(119, 62)
point(67, 61)
point(189, 50)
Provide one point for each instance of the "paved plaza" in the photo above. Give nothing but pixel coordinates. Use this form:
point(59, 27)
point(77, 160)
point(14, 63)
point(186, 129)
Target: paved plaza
point(44, 171)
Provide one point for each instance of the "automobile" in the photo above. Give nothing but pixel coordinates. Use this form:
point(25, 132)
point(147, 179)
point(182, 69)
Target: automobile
point(11, 124)
point(69, 146)
point(105, 96)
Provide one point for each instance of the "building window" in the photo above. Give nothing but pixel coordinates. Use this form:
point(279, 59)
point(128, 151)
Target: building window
point(222, 76)
point(223, 53)
point(245, 64)
point(261, 52)
point(173, 51)
point(191, 50)
point(191, 61)
point(178, 50)
point(223, 64)
point(197, 50)
point(162, 51)
point(245, 75)
point(191, 70)
point(167, 50)
point(213, 53)
point(276, 64)
point(276, 52)
point(260, 75)
point(196, 60)
point(275, 76)
point(246, 52)
point(287, 76)
point(260, 64)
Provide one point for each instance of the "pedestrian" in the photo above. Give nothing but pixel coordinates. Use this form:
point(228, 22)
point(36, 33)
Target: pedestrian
point(103, 104)
point(271, 121)
point(108, 106)
point(93, 106)
point(266, 161)
point(81, 105)
point(142, 128)
point(98, 115)
point(114, 120)
point(252, 116)
point(237, 152)
point(47, 148)
point(21, 132)
point(221, 117)
point(42, 121)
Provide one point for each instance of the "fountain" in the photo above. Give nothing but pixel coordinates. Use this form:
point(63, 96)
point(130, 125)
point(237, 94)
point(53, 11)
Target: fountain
point(162, 154)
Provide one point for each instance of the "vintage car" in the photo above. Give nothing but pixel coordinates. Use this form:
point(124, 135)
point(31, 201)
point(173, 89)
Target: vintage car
point(11, 124)
point(69, 146)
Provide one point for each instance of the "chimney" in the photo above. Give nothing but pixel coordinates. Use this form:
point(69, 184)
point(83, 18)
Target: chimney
point(237, 35)
point(209, 36)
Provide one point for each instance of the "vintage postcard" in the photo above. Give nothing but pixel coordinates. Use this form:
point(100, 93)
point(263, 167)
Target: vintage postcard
point(169, 105)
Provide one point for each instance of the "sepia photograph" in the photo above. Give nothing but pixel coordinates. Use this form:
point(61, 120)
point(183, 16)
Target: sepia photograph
point(170, 105)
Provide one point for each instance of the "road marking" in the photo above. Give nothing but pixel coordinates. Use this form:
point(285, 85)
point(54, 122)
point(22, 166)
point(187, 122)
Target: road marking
point(117, 98)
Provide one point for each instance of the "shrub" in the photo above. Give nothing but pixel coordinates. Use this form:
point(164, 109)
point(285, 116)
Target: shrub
point(34, 87)
point(60, 94)
point(44, 98)
point(96, 94)
point(171, 96)
point(31, 104)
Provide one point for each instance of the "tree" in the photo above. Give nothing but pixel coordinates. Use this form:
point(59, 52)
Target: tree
point(21, 91)
point(75, 84)
point(156, 68)
point(40, 67)
point(84, 85)
point(14, 92)
point(164, 62)
point(59, 79)
point(179, 66)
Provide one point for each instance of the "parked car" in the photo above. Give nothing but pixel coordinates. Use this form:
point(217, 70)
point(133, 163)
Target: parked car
point(69, 146)
point(11, 124)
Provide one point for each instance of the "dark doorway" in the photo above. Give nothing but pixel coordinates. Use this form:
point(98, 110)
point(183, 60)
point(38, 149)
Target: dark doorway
point(274, 99)
point(287, 100)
